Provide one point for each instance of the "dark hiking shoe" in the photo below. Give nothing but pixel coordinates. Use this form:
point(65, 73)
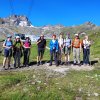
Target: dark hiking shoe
point(9, 66)
point(66, 63)
point(50, 64)
point(79, 64)
point(74, 64)
point(4, 67)
point(38, 64)
point(61, 63)
point(27, 65)
point(41, 63)
point(57, 65)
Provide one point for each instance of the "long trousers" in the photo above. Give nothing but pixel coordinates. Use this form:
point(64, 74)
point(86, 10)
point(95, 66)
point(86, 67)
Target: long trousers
point(17, 57)
point(53, 54)
point(76, 55)
point(26, 56)
point(86, 54)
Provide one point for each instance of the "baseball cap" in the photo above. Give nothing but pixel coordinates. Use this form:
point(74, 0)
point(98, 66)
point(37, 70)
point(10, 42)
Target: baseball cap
point(17, 37)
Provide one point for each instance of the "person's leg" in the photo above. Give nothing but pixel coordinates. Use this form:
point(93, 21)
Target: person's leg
point(69, 52)
point(38, 57)
point(24, 60)
point(55, 58)
point(6, 54)
point(61, 57)
point(41, 56)
point(68, 56)
point(78, 55)
point(84, 56)
point(4, 62)
point(51, 57)
point(19, 56)
point(28, 55)
point(87, 56)
point(74, 55)
point(15, 59)
point(9, 60)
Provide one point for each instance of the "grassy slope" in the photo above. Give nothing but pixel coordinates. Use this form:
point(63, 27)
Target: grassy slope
point(39, 85)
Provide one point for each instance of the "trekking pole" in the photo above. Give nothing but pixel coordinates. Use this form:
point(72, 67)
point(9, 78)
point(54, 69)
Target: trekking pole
point(90, 56)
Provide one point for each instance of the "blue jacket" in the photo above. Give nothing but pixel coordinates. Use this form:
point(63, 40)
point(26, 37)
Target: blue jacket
point(54, 46)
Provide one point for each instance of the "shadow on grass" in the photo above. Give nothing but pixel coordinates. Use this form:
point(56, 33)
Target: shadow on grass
point(43, 62)
point(71, 62)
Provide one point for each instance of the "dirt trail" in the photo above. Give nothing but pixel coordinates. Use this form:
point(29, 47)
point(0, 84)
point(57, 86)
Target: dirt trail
point(60, 69)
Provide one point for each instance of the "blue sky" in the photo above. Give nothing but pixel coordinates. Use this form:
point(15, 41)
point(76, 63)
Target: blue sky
point(65, 12)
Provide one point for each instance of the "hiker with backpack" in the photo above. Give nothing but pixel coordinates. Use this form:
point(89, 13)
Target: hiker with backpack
point(17, 51)
point(7, 45)
point(76, 45)
point(54, 47)
point(67, 51)
point(86, 50)
point(41, 43)
point(26, 51)
point(61, 48)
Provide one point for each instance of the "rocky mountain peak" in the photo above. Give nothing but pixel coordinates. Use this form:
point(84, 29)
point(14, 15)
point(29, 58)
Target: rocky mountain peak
point(16, 20)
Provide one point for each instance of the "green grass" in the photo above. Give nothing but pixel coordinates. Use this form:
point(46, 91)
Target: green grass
point(42, 85)
point(33, 85)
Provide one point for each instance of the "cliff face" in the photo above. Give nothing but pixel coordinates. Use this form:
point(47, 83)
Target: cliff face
point(16, 20)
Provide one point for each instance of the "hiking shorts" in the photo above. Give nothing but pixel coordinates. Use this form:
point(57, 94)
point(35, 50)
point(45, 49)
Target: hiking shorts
point(61, 51)
point(67, 51)
point(7, 53)
point(41, 51)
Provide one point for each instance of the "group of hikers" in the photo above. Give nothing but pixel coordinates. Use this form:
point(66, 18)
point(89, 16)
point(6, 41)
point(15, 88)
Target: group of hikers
point(58, 47)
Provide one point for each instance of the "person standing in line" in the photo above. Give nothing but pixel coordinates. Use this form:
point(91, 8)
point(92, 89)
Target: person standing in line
point(54, 50)
point(67, 52)
point(86, 50)
point(17, 51)
point(41, 43)
point(26, 51)
point(61, 48)
point(76, 44)
point(7, 45)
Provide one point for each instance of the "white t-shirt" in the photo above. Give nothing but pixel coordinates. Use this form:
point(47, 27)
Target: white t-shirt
point(61, 42)
point(86, 44)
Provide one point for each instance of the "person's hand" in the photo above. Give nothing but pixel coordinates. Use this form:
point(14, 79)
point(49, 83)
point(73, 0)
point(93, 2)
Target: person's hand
point(80, 50)
point(8, 47)
point(69, 46)
point(56, 50)
point(39, 41)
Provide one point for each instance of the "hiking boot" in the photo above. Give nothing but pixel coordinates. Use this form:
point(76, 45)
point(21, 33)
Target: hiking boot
point(57, 65)
point(9, 66)
point(3, 66)
point(27, 65)
point(50, 64)
point(61, 63)
point(41, 63)
point(68, 63)
point(79, 64)
point(74, 64)
point(38, 64)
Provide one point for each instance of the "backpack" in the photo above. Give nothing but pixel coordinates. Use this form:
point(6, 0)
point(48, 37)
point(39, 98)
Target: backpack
point(7, 41)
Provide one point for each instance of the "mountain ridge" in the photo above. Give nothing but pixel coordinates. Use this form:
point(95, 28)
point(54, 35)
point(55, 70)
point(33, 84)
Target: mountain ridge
point(21, 24)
